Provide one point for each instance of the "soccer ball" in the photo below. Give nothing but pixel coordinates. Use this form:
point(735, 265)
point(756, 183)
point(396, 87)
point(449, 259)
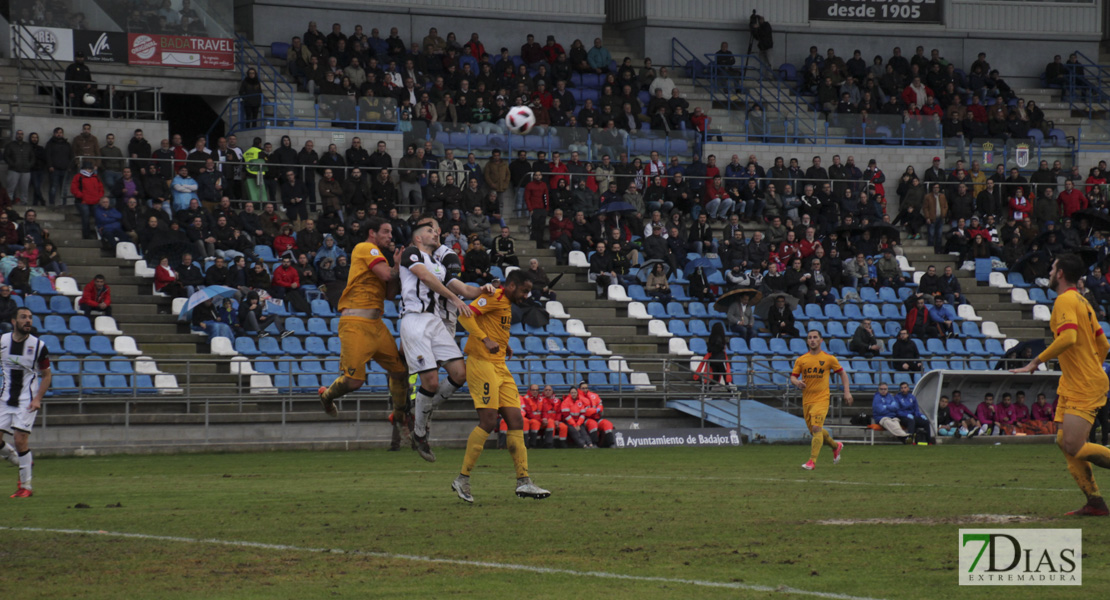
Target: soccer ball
point(520, 119)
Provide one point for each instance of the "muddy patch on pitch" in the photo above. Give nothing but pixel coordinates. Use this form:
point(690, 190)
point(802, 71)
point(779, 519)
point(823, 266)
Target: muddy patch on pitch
point(961, 520)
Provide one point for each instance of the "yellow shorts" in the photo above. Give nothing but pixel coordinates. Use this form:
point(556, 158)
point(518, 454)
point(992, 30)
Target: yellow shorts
point(1086, 409)
point(491, 385)
point(815, 414)
point(364, 340)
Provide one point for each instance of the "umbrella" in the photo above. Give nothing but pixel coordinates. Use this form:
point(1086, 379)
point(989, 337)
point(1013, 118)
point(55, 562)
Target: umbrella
point(883, 229)
point(531, 315)
point(1019, 264)
point(646, 268)
point(208, 293)
point(1088, 254)
point(849, 230)
point(705, 264)
point(616, 206)
point(1097, 219)
point(765, 305)
point(728, 298)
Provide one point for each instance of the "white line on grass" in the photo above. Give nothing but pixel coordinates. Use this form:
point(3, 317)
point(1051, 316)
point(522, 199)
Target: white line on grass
point(447, 561)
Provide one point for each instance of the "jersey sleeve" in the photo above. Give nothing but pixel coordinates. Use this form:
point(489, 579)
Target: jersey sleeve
point(411, 256)
point(1066, 314)
point(369, 253)
point(481, 304)
point(797, 367)
point(43, 358)
point(452, 265)
point(834, 365)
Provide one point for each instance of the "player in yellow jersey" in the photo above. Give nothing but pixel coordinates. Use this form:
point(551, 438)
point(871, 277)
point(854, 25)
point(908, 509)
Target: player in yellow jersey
point(361, 332)
point(812, 372)
point(491, 384)
point(1080, 344)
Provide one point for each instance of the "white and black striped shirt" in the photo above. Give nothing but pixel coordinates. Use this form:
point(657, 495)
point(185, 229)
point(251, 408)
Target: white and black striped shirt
point(23, 364)
point(416, 296)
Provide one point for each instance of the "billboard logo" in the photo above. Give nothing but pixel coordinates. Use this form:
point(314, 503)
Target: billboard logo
point(101, 46)
point(144, 47)
point(47, 41)
point(1021, 557)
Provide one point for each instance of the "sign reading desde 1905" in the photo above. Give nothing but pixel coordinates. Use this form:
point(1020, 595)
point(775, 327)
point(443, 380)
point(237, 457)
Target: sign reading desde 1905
point(888, 11)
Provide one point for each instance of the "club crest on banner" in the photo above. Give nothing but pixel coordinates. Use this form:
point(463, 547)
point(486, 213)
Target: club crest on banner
point(988, 154)
point(1021, 155)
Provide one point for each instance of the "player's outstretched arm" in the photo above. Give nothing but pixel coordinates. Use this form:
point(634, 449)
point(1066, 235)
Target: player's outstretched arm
point(468, 291)
point(1064, 340)
point(437, 286)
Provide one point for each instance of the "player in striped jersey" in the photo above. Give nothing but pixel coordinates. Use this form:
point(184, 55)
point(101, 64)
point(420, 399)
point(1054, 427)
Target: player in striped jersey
point(26, 369)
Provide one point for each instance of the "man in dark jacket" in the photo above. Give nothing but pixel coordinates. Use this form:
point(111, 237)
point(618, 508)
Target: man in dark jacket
point(905, 354)
point(189, 274)
point(21, 159)
point(59, 160)
point(780, 320)
point(864, 341)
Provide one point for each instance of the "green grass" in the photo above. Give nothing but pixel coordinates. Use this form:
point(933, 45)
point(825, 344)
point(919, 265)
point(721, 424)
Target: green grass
point(745, 515)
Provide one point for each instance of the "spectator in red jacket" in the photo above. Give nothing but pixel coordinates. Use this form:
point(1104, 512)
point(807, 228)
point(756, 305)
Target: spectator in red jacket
point(552, 50)
point(286, 285)
point(285, 242)
point(166, 280)
point(599, 429)
point(1020, 206)
point(554, 430)
point(96, 300)
point(87, 189)
point(477, 49)
point(1070, 200)
point(560, 171)
point(916, 93)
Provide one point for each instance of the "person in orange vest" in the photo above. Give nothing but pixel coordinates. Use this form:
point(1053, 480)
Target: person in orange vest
point(572, 412)
point(598, 428)
point(529, 410)
point(554, 430)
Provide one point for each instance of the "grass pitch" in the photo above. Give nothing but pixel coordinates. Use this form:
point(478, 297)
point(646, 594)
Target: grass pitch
point(691, 518)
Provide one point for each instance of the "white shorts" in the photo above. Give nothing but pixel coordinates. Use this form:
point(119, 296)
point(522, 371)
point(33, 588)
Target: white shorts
point(17, 418)
point(426, 342)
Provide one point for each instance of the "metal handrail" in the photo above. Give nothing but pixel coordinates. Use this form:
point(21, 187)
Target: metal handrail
point(247, 56)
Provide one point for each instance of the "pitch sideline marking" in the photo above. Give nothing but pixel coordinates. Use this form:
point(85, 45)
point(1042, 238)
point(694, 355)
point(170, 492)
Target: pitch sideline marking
point(446, 561)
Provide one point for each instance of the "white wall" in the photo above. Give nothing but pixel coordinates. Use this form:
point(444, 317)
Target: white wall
point(123, 129)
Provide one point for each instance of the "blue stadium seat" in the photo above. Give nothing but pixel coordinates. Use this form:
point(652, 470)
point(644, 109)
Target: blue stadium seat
point(1014, 278)
point(316, 326)
point(657, 310)
point(62, 385)
point(851, 327)
point(955, 346)
point(678, 328)
point(120, 365)
point(838, 348)
point(978, 365)
point(311, 366)
point(678, 292)
point(283, 383)
point(739, 345)
point(333, 325)
point(871, 311)
point(75, 344)
point(637, 293)
point(269, 346)
point(698, 328)
point(42, 286)
point(676, 311)
point(890, 311)
point(80, 325)
point(868, 295)
point(852, 312)
point(779, 346)
point(334, 346)
point(554, 345)
point(99, 344)
point(697, 310)
point(975, 347)
point(698, 347)
point(265, 365)
point(321, 308)
point(316, 345)
point(55, 324)
point(95, 366)
point(813, 311)
point(265, 253)
point(296, 325)
point(799, 313)
point(892, 328)
point(37, 304)
point(531, 330)
point(117, 384)
point(936, 347)
point(53, 344)
point(759, 347)
point(905, 292)
point(516, 329)
point(292, 345)
point(798, 346)
point(275, 308)
point(555, 327)
point(390, 326)
point(61, 305)
point(307, 382)
point(920, 346)
point(836, 329)
point(67, 364)
point(820, 327)
point(516, 346)
point(575, 345)
point(90, 384)
point(833, 312)
point(533, 345)
point(971, 329)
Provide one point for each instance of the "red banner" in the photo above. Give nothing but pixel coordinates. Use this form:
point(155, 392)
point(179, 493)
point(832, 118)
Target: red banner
point(179, 51)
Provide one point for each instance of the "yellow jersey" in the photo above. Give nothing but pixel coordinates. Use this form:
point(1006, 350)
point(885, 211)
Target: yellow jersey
point(364, 289)
point(1083, 377)
point(815, 370)
point(494, 315)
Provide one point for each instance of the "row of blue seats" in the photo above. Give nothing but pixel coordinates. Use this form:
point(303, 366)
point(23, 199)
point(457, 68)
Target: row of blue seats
point(321, 326)
point(90, 384)
point(642, 142)
point(75, 344)
point(777, 376)
point(59, 305)
point(56, 324)
point(838, 347)
point(69, 364)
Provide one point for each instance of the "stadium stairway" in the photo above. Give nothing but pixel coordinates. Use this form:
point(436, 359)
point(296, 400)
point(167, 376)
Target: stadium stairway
point(758, 421)
point(24, 99)
point(139, 313)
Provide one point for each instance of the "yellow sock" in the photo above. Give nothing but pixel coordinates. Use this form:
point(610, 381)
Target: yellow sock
point(474, 445)
point(1095, 454)
point(398, 393)
point(815, 446)
point(336, 389)
point(828, 438)
point(515, 441)
point(1081, 471)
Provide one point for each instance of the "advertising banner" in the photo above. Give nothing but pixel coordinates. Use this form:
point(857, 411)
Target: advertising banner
point(878, 11)
point(51, 41)
point(101, 46)
point(158, 50)
point(652, 438)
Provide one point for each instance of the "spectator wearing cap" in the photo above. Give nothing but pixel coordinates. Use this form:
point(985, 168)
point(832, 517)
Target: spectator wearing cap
point(79, 81)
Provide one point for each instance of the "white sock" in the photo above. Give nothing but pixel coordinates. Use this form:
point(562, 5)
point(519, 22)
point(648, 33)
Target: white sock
point(423, 410)
point(25, 462)
point(8, 453)
point(446, 388)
